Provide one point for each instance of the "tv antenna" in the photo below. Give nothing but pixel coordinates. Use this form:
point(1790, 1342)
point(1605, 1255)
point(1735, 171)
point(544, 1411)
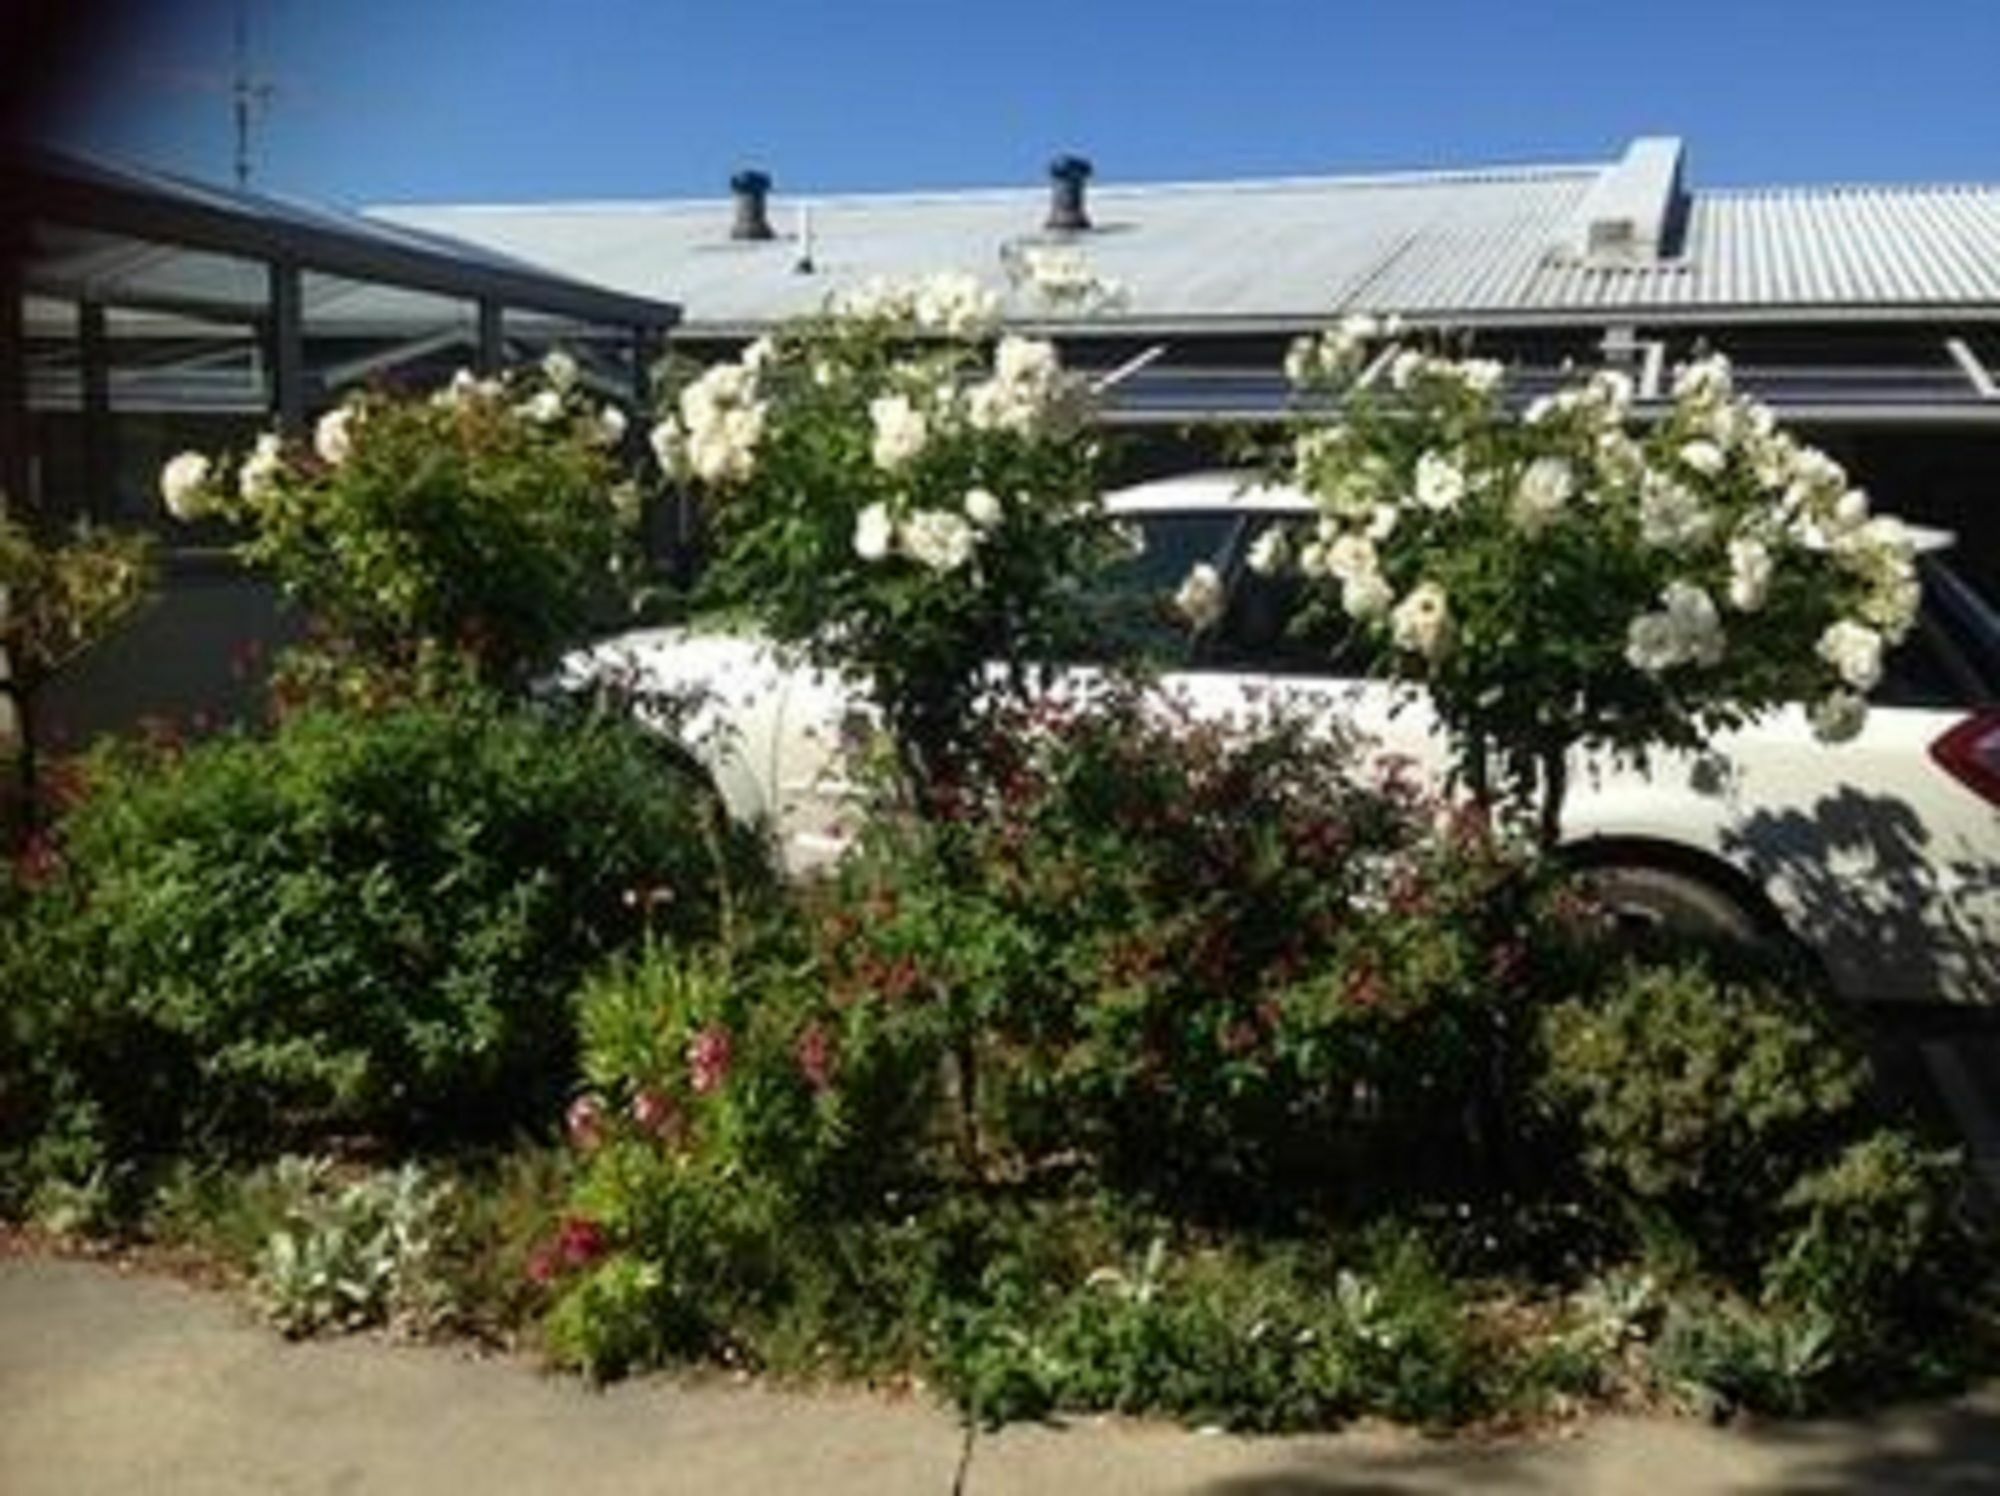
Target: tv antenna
point(252, 96)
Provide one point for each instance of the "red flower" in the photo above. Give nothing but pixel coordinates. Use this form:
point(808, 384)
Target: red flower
point(579, 1241)
point(709, 1055)
point(815, 1056)
point(39, 860)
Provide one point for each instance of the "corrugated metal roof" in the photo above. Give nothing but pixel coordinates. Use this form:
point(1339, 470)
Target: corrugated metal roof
point(1491, 245)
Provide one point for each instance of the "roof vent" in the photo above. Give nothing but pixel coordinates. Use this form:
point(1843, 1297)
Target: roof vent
point(1636, 209)
point(751, 189)
point(1067, 174)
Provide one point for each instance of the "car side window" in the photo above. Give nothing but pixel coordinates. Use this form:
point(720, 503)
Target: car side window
point(1132, 612)
point(1273, 625)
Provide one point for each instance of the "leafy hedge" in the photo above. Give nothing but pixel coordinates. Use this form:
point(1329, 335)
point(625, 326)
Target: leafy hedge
point(371, 923)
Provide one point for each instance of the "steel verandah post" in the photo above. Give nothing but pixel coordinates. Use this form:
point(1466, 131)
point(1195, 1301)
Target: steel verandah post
point(288, 354)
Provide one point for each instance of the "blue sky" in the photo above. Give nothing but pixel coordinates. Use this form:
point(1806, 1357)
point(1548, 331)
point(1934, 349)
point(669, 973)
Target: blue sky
point(493, 100)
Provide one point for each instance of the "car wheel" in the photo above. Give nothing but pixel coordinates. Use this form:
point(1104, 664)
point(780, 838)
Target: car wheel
point(1641, 900)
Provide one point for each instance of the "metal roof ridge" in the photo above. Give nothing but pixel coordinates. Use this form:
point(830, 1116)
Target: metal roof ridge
point(921, 197)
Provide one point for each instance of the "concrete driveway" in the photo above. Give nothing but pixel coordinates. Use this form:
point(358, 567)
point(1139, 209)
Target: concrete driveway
point(125, 1385)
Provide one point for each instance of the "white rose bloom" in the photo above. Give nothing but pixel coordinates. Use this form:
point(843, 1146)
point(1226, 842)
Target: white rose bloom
point(1612, 389)
point(559, 369)
point(1270, 551)
point(262, 468)
point(1031, 361)
point(1694, 618)
point(1671, 515)
point(1366, 594)
point(955, 304)
point(900, 430)
point(544, 407)
point(1704, 457)
point(937, 539)
point(184, 484)
point(1749, 574)
point(462, 387)
point(1440, 482)
point(1405, 367)
point(1703, 379)
point(611, 425)
point(1651, 643)
point(333, 436)
point(1382, 522)
point(1539, 410)
point(1313, 559)
point(1480, 375)
point(1200, 597)
point(1301, 361)
point(1891, 605)
point(1838, 716)
point(874, 533)
point(757, 353)
point(982, 507)
point(1687, 630)
point(1855, 652)
point(669, 444)
point(1351, 555)
point(1421, 622)
point(1542, 492)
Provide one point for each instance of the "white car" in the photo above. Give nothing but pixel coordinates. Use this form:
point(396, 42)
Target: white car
point(1880, 855)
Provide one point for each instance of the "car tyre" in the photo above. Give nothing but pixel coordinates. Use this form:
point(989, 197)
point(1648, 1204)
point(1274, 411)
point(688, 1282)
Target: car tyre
point(1642, 899)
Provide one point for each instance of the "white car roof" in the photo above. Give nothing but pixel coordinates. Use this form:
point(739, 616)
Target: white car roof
point(1250, 492)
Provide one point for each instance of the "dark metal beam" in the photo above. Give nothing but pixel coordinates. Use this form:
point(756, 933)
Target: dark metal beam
point(85, 195)
point(288, 348)
point(99, 454)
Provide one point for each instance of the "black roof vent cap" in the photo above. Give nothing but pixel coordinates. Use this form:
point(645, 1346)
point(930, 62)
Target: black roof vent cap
point(751, 189)
point(1067, 214)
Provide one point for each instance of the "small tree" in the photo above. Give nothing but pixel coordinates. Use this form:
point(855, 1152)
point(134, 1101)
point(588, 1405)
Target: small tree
point(56, 601)
point(485, 520)
point(1562, 581)
point(900, 500)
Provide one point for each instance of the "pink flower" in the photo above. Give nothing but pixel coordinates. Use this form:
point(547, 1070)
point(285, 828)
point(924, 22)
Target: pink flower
point(657, 1114)
point(585, 1123)
point(815, 1056)
point(542, 1264)
point(709, 1055)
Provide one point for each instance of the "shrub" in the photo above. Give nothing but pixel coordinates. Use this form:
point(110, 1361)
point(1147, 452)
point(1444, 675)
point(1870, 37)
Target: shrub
point(1207, 960)
point(372, 923)
point(1700, 1099)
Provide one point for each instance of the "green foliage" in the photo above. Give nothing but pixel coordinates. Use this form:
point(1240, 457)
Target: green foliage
point(1722, 1355)
point(1267, 1345)
point(488, 518)
point(348, 1253)
point(371, 922)
point(1873, 1240)
point(1702, 1099)
point(60, 599)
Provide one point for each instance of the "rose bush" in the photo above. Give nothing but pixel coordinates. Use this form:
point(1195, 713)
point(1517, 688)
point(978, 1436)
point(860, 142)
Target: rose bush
point(488, 519)
point(896, 499)
point(1563, 581)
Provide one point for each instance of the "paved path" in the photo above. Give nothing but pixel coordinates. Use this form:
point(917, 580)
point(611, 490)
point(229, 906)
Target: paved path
point(142, 1387)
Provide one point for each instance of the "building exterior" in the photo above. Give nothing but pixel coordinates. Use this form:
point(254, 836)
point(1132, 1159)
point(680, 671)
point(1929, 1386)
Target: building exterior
point(1868, 315)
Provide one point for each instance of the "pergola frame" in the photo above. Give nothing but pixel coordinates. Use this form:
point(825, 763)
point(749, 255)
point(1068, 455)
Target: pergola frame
point(289, 240)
